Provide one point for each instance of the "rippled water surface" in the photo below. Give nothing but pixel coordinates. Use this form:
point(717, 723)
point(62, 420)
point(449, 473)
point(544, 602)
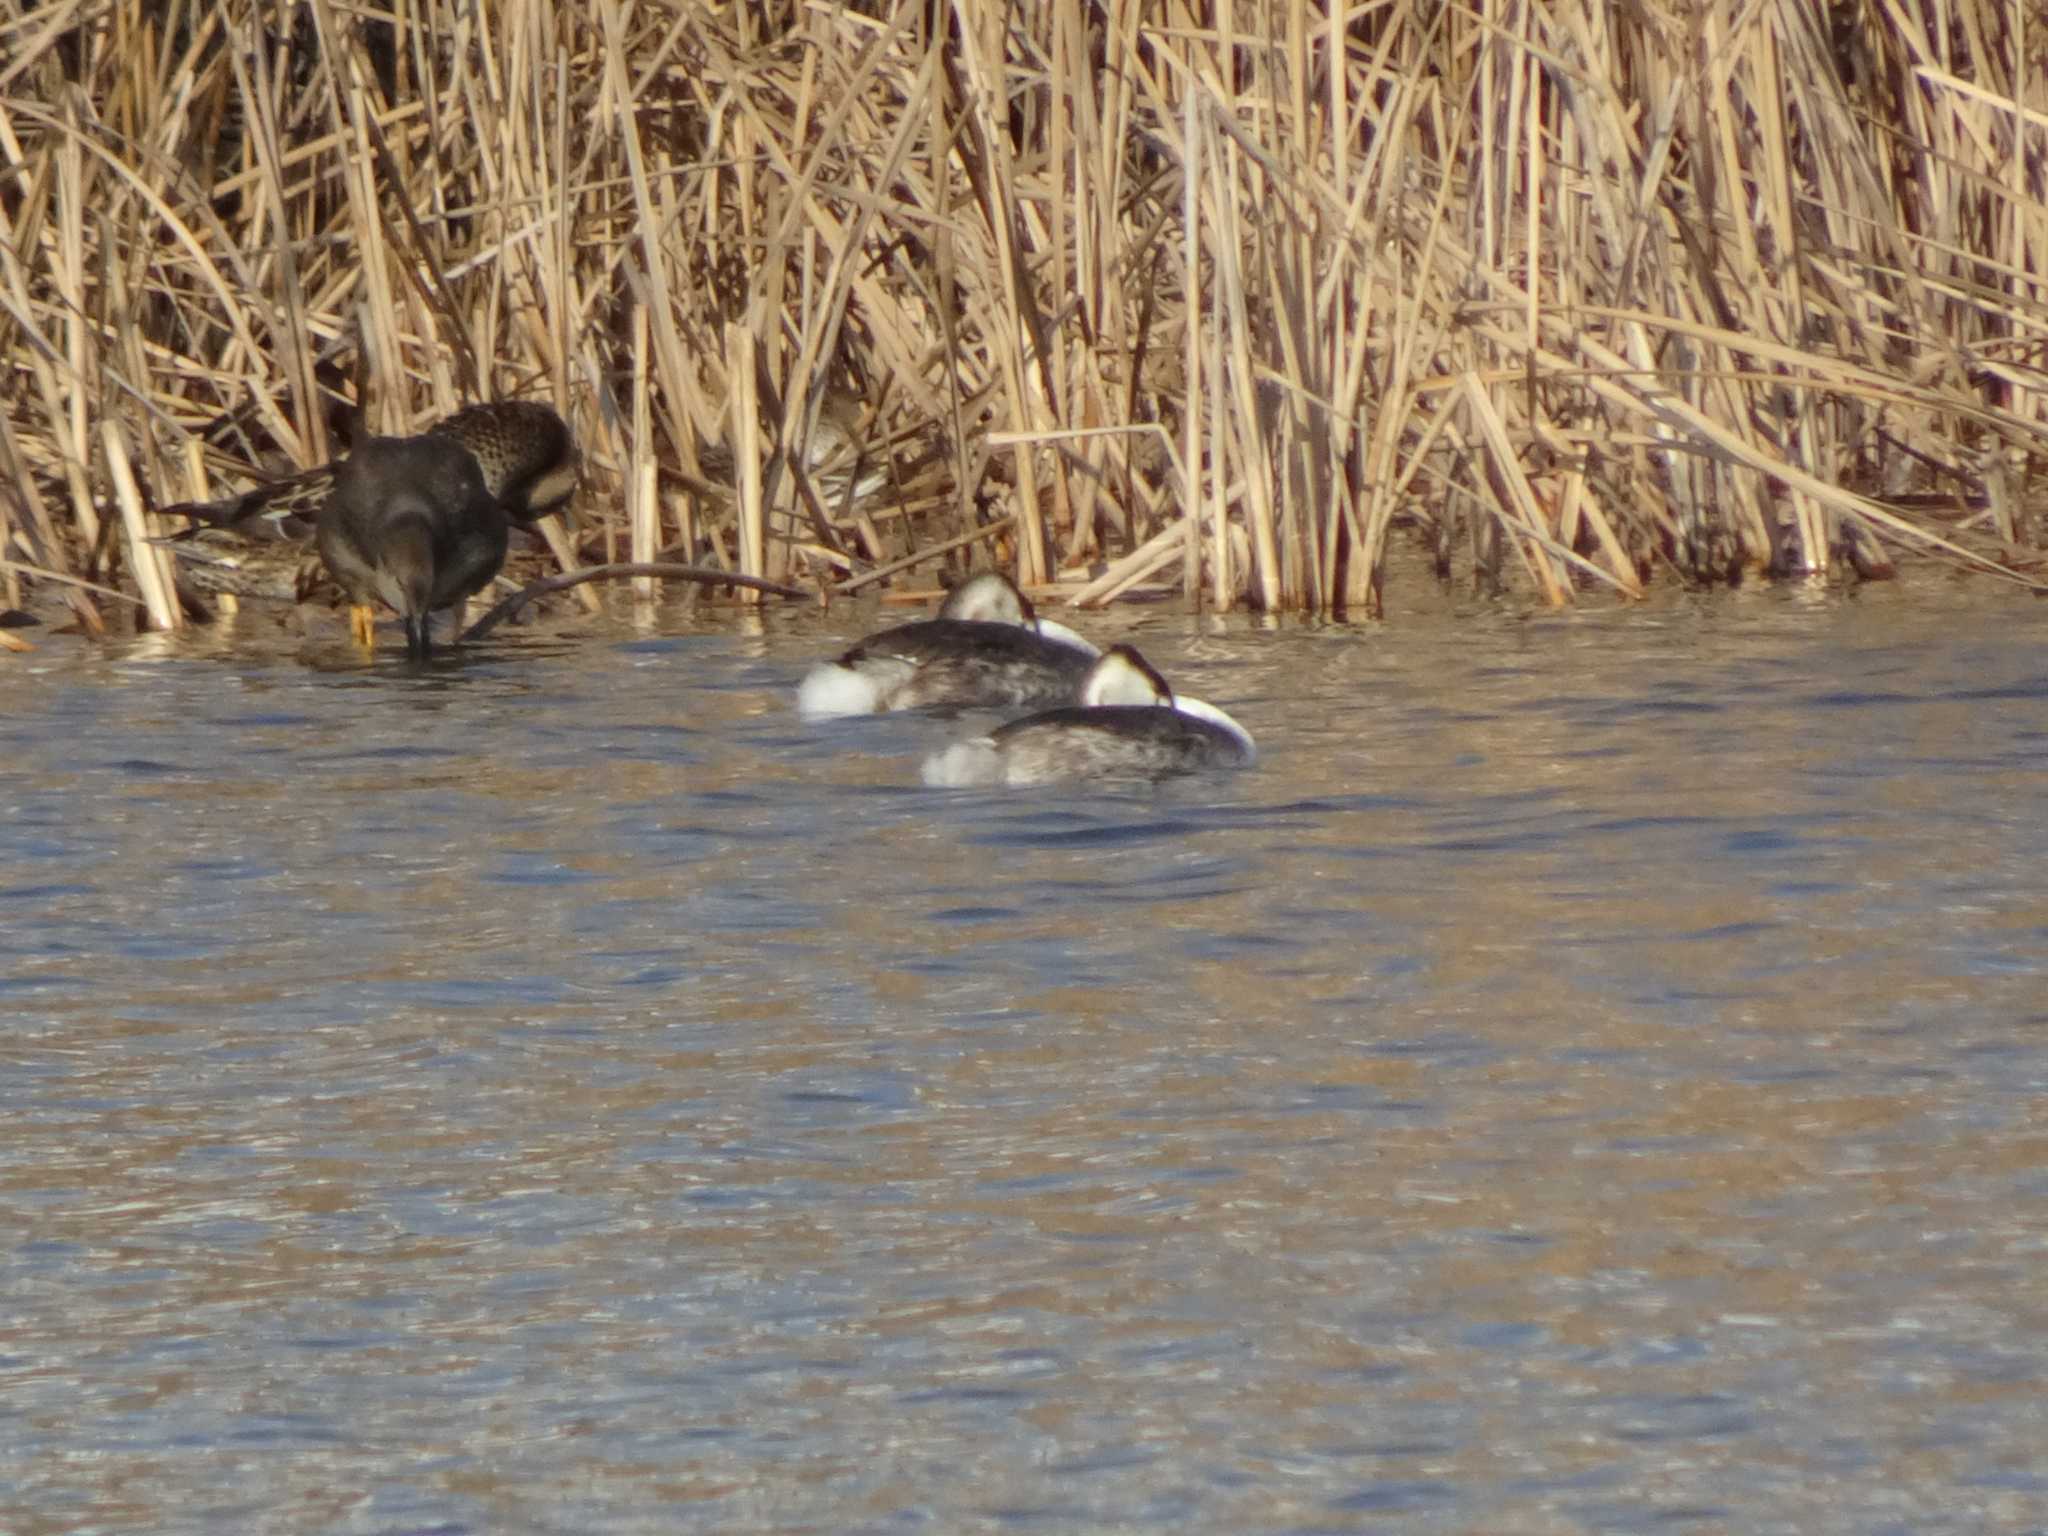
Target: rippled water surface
point(1588, 1076)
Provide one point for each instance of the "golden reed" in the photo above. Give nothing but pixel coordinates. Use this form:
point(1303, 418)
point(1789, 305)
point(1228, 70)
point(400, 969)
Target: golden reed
point(1222, 297)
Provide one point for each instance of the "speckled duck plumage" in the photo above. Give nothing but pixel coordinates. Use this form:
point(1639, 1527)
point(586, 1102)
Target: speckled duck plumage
point(260, 543)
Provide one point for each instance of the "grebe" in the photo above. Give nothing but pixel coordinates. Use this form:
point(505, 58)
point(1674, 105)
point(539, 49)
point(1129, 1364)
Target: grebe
point(410, 521)
point(1129, 724)
point(987, 648)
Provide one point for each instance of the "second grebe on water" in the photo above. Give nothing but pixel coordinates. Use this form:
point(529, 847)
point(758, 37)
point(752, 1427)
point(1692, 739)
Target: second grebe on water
point(1129, 724)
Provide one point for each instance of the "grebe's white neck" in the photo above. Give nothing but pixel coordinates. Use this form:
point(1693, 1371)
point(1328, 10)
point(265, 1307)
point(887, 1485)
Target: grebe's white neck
point(988, 598)
point(1122, 676)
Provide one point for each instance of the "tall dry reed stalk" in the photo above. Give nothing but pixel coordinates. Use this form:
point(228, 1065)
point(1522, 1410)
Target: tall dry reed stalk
point(1133, 291)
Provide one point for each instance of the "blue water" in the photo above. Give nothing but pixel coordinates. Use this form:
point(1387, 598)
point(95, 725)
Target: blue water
point(1586, 1077)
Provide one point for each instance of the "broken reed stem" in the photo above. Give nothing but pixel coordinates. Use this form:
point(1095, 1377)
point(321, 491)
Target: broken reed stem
point(660, 570)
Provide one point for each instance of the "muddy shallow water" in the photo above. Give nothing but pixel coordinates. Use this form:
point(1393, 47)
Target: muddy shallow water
point(1587, 1076)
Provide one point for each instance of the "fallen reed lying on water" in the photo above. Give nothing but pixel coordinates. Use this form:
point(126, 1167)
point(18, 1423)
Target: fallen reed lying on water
point(1221, 297)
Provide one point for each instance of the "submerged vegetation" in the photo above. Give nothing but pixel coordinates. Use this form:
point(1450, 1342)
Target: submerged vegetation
point(1128, 293)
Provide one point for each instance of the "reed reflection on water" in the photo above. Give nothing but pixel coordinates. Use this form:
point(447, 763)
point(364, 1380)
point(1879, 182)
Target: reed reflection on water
point(1587, 1076)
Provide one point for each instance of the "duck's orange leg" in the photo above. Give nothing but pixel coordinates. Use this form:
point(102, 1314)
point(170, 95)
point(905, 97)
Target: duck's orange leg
point(362, 623)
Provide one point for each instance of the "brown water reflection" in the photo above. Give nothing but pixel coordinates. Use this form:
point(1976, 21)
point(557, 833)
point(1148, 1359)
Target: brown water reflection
point(1586, 1077)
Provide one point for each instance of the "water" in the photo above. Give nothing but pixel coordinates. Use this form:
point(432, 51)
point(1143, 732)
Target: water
point(1587, 1077)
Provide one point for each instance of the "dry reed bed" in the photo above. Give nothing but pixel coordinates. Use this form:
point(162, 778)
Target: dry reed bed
point(1121, 293)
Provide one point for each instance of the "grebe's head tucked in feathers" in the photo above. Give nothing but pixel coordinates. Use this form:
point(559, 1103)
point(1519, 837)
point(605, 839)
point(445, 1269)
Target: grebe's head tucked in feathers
point(1128, 725)
point(987, 649)
point(989, 597)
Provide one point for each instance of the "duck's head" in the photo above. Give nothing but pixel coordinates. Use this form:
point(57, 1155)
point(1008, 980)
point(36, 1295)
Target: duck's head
point(401, 553)
point(1122, 676)
point(528, 457)
point(989, 597)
